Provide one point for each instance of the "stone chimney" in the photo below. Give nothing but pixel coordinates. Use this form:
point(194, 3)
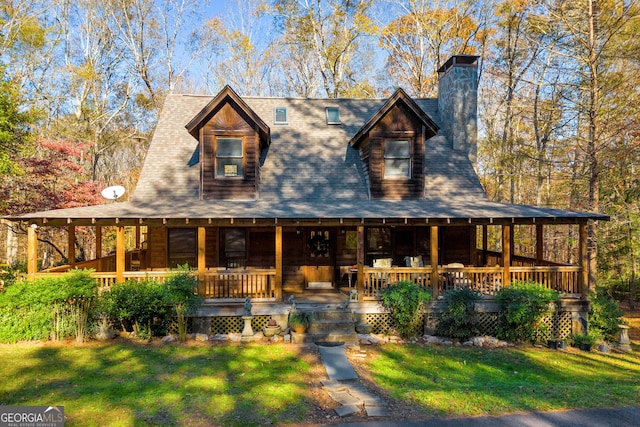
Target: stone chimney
point(458, 102)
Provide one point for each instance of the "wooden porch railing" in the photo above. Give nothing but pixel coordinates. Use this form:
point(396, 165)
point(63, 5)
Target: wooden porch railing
point(254, 283)
point(486, 280)
point(232, 283)
point(564, 279)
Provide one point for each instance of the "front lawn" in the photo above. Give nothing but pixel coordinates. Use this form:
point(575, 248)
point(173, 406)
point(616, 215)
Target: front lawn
point(125, 383)
point(456, 381)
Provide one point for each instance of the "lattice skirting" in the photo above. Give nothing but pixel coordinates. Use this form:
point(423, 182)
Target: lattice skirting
point(173, 326)
point(558, 324)
point(235, 324)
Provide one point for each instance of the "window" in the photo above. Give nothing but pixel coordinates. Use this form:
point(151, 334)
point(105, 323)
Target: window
point(333, 115)
point(397, 159)
point(182, 247)
point(229, 157)
point(280, 115)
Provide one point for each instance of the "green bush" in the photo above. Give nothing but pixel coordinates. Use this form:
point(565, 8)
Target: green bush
point(9, 274)
point(522, 307)
point(404, 301)
point(48, 308)
point(459, 320)
point(141, 307)
point(182, 288)
point(604, 314)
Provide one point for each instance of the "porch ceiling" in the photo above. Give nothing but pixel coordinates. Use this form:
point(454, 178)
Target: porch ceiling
point(430, 211)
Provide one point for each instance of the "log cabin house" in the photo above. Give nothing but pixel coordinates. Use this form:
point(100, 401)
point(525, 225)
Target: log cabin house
point(320, 198)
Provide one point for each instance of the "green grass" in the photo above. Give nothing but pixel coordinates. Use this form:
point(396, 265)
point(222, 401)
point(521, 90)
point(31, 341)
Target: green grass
point(457, 381)
point(127, 384)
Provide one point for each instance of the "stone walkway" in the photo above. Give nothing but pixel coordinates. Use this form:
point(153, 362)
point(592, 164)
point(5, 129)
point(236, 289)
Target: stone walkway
point(345, 387)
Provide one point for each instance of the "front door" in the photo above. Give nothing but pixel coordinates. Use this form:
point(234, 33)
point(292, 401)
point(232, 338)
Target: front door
point(319, 270)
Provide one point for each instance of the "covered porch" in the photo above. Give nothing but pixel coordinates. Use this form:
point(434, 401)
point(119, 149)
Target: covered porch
point(282, 257)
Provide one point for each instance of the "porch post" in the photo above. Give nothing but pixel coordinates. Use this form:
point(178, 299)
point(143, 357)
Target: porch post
point(485, 244)
point(360, 262)
point(32, 252)
point(279, 267)
point(98, 242)
point(506, 254)
point(539, 243)
point(137, 237)
point(71, 252)
point(120, 256)
point(434, 261)
point(202, 259)
point(583, 279)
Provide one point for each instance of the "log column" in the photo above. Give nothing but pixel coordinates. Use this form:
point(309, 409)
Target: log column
point(360, 262)
point(584, 263)
point(507, 237)
point(539, 243)
point(435, 286)
point(120, 254)
point(32, 252)
point(71, 252)
point(279, 266)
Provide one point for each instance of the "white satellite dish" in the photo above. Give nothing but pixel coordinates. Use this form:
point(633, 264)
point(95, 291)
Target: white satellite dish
point(113, 193)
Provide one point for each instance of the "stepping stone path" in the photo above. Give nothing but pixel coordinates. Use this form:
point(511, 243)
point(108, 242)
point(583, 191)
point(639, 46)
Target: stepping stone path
point(345, 387)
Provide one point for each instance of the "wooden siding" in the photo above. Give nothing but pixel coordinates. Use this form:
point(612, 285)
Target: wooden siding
point(228, 122)
point(398, 123)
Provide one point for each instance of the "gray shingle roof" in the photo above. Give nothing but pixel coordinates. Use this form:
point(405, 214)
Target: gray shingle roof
point(309, 171)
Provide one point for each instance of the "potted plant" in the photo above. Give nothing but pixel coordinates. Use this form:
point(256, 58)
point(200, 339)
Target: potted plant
point(299, 321)
point(556, 343)
point(271, 328)
point(585, 341)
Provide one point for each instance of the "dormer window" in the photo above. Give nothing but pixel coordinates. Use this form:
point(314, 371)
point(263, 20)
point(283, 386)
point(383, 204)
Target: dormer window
point(229, 157)
point(397, 158)
point(280, 116)
point(333, 115)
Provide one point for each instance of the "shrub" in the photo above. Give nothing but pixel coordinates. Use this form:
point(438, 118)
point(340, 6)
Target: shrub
point(138, 306)
point(48, 308)
point(604, 314)
point(522, 307)
point(183, 296)
point(404, 300)
point(459, 319)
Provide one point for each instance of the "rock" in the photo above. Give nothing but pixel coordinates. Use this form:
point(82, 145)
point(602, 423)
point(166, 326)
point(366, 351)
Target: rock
point(235, 337)
point(478, 341)
point(468, 343)
point(363, 328)
point(219, 337)
point(169, 339)
point(202, 337)
point(430, 339)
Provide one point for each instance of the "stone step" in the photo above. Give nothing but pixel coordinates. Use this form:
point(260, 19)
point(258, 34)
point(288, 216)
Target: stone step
point(332, 315)
point(334, 337)
point(325, 327)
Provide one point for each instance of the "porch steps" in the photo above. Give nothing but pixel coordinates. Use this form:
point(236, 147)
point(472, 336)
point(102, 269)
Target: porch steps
point(329, 324)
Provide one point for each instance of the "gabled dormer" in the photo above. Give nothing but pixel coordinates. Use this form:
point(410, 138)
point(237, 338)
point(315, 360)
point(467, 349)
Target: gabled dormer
point(391, 145)
point(231, 136)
